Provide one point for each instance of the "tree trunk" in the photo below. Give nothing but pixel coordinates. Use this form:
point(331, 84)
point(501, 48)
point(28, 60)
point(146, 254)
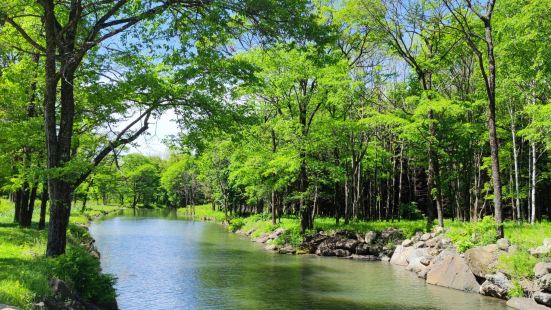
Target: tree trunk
point(533, 184)
point(43, 204)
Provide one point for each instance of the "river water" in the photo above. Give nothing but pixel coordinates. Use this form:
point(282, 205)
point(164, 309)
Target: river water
point(162, 262)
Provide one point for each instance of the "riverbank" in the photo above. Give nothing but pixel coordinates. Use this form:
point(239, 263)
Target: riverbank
point(514, 268)
point(29, 280)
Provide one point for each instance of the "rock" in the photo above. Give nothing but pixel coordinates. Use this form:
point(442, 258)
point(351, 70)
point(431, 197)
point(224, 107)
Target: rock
point(496, 285)
point(276, 233)
point(370, 237)
point(370, 258)
point(262, 239)
point(482, 260)
point(367, 249)
point(360, 238)
point(341, 253)
point(438, 230)
point(542, 269)
point(425, 237)
point(60, 289)
point(522, 303)
point(384, 258)
point(287, 249)
point(529, 287)
point(420, 244)
point(400, 255)
point(547, 242)
point(6, 307)
point(346, 244)
point(391, 234)
point(407, 242)
point(418, 254)
point(450, 270)
point(425, 261)
point(250, 231)
point(540, 251)
point(503, 244)
point(271, 247)
point(326, 248)
point(543, 298)
point(434, 242)
point(310, 243)
point(544, 282)
point(513, 249)
point(423, 273)
point(416, 237)
point(416, 266)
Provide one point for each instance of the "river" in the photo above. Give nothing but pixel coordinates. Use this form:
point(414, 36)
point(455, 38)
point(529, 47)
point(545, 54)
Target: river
point(162, 262)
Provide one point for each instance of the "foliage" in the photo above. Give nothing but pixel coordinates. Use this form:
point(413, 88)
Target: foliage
point(469, 235)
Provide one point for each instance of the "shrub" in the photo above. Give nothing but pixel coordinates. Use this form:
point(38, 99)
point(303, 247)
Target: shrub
point(516, 290)
point(236, 224)
point(410, 211)
point(470, 235)
point(82, 272)
point(518, 265)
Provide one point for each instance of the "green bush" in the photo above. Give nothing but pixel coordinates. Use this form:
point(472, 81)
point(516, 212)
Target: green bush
point(518, 265)
point(236, 224)
point(410, 211)
point(516, 290)
point(82, 271)
point(291, 236)
point(469, 235)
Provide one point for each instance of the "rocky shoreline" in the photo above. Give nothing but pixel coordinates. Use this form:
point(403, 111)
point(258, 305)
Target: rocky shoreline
point(432, 257)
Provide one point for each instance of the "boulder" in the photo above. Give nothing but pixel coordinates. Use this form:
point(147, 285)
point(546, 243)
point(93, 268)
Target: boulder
point(544, 282)
point(547, 242)
point(6, 307)
point(522, 303)
point(384, 258)
point(540, 251)
point(418, 254)
point(450, 270)
point(513, 248)
point(391, 234)
point(438, 230)
point(370, 237)
point(407, 242)
point(529, 287)
point(503, 244)
point(543, 298)
point(425, 237)
point(400, 255)
point(262, 239)
point(496, 285)
point(310, 243)
point(542, 269)
point(415, 265)
point(271, 247)
point(326, 248)
point(434, 242)
point(346, 244)
point(420, 244)
point(341, 253)
point(365, 257)
point(287, 249)
point(276, 233)
point(482, 260)
point(367, 249)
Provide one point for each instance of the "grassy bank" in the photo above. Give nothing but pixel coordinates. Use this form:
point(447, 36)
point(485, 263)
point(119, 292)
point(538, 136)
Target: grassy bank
point(25, 271)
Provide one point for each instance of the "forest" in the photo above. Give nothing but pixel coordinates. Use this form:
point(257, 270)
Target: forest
point(349, 111)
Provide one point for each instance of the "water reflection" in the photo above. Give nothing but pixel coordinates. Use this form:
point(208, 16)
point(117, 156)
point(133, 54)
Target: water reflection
point(166, 264)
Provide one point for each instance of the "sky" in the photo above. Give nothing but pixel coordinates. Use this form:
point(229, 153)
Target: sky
point(151, 143)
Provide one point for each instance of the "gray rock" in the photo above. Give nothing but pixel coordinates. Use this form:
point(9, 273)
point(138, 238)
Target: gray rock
point(370, 237)
point(544, 282)
point(542, 269)
point(367, 249)
point(370, 258)
point(341, 253)
point(425, 261)
point(400, 255)
point(522, 303)
point(276, 233)
point(425, 237)
point(450, 270)
point(496, 285)
point(271, 247)
point(433, 242)
point(416, 266)
point(287, 249)
point(391, 234)
point(543, 298)
point(347, 244)
point(420, 244)
point(513, 249)
point(407, 242)
point(438, 230)
point(360, 238)
point(310, 243)
point(6, 307)
point(540, 251)
point(503, 244)
point(384, 258)
point(547, 242)
point(418, 253)
point(482, 260)
point(262, 239)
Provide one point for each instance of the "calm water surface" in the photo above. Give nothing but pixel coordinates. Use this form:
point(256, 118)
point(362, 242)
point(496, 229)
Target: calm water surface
point(165, 263)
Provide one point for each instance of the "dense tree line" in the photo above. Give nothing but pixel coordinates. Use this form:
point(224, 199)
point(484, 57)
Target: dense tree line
point(356, 109)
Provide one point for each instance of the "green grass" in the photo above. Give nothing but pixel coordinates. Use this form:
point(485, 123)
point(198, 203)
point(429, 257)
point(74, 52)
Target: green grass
point(25, 271)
